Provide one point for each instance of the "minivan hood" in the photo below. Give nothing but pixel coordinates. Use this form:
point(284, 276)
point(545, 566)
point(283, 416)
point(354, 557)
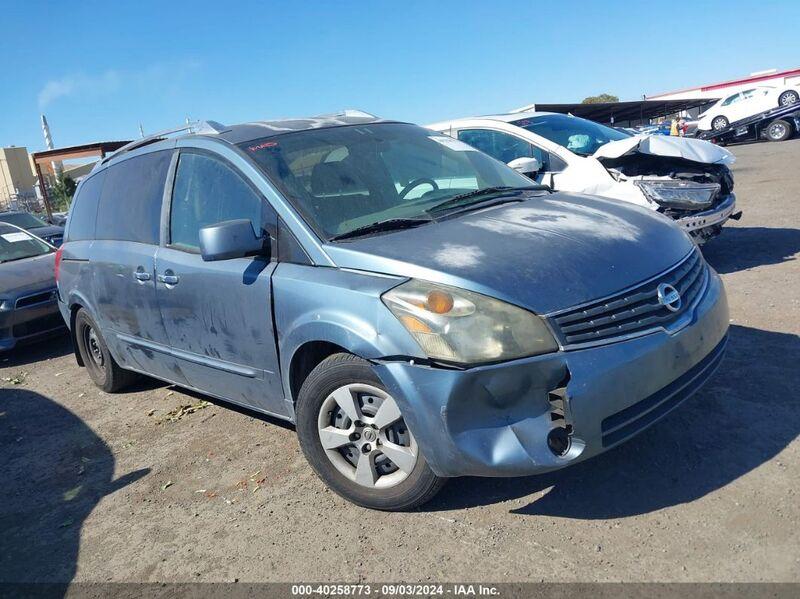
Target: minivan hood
point(696, 150)
point(545, 253)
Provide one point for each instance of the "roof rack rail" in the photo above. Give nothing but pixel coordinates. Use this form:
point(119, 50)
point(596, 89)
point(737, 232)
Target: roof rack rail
point(193, 127)
point(348, 112)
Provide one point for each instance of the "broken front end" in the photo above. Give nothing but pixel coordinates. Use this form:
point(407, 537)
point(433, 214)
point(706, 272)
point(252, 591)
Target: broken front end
point(698, 196)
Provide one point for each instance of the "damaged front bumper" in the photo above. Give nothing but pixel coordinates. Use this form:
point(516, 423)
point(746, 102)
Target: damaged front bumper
point(713, 217)
point(498, 420)
point(32, 317)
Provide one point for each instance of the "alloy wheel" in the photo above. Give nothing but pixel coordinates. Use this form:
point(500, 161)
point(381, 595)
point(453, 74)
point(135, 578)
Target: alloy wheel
point(365, 437)
point(789, 98)
point(777, 130)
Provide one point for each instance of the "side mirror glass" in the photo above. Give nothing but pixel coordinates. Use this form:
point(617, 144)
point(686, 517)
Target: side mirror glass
point(229, 239)
point(526, 166)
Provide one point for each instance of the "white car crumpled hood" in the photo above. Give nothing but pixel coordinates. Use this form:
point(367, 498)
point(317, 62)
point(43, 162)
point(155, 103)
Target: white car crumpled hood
point(696, 150)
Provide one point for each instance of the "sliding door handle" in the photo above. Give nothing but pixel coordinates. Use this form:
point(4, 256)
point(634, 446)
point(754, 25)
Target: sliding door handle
point(168, 278)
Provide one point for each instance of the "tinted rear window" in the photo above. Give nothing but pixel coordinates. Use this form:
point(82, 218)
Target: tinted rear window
point(83, 212)
point(130, 205)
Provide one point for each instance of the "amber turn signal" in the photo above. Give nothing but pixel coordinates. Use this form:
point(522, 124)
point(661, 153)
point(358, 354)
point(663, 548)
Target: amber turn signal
point(439, 302)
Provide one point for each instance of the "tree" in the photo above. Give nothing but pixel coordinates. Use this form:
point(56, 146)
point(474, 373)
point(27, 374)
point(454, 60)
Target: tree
point(599, 99)
point(62, 192)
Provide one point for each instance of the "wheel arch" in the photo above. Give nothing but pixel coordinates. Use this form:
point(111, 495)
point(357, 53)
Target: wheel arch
point(310, 343)
point(307, 357)
point(75, 304)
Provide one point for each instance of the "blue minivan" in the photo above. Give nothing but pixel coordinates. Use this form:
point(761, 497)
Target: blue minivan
point(418, 309)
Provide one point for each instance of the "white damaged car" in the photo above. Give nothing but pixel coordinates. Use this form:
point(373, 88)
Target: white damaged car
point(686, 179)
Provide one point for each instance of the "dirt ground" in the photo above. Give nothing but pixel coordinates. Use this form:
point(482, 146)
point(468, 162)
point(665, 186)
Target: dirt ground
point(129, 487)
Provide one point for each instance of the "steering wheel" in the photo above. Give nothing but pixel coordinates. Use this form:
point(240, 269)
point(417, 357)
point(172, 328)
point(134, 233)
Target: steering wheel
point(417, 183)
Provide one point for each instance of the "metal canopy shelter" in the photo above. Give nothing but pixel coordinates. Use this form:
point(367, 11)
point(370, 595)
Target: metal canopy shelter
point(43, 161)
point(616, 112)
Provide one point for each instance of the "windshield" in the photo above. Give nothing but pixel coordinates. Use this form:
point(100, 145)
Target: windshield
point(16, 245)
point(346, 178)
point(22, 219)
point(576, 134)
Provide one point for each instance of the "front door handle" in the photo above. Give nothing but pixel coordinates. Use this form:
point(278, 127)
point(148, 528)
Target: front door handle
point(141, 275)
point(168, 278)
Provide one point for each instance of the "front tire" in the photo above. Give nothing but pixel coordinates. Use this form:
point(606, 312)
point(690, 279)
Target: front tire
point(719, 123)
point(100, 364)
point(788, 98)
point(354, 436)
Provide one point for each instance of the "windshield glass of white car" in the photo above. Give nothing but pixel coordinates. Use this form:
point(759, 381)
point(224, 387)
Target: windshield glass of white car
point(576, 134)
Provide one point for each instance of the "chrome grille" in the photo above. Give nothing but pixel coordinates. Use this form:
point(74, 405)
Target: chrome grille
point(636, 310)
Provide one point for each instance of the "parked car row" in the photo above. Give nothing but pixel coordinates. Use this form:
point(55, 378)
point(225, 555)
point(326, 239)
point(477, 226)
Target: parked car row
point(52, 234)
point(418, 308)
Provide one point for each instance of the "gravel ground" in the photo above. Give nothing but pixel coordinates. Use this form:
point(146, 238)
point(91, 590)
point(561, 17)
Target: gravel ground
point(129, 487)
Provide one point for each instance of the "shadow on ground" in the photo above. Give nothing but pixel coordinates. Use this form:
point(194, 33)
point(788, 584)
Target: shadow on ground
point(52, 347)
point(746, 414)
point(53, 471)
point(740, 248)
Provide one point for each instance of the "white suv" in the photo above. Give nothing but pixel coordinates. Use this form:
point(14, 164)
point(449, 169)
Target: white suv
point(686, 179)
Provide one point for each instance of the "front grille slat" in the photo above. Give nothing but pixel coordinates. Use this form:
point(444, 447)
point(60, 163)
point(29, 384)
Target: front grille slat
point(634, 310)
point(616, 318)
point(36, 298)
point(623, 302)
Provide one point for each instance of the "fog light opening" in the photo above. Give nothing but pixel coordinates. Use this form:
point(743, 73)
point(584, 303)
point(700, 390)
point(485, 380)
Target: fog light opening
point(559, 439)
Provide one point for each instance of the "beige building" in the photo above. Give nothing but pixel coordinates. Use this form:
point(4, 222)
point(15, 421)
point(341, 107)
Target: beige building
point(16, 175)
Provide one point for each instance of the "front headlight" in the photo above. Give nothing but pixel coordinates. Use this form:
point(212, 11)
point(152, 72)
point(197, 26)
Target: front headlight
point(460, 326)
point(680, 194)
point(6, 305)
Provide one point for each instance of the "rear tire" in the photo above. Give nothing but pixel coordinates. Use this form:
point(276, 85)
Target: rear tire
point(779, 130)
point(100, 364)
point(788, 98)
point(719, 123)
point(351, 435)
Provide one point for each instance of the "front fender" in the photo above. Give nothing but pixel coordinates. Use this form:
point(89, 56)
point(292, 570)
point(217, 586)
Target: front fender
point(337, 306)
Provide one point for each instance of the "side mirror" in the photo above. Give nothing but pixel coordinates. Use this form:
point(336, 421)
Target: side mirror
point(526, 166)
point(229, 239)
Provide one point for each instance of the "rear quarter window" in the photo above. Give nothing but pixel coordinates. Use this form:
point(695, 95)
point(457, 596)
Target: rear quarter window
point(83, 212)
point(130, 204)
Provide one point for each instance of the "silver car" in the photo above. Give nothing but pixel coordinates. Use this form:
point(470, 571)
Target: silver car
point(418, 309)
point(28, 309)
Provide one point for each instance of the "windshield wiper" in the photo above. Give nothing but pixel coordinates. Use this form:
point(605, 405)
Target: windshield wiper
point(392, 224)
point(19, 258)
point(485, 193)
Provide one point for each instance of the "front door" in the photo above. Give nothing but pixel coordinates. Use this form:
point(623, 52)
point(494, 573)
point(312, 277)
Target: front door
point(218, 315)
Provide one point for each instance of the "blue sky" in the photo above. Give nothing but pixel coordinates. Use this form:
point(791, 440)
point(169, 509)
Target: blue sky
point(98, 69)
